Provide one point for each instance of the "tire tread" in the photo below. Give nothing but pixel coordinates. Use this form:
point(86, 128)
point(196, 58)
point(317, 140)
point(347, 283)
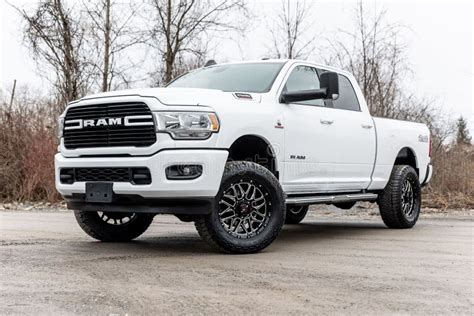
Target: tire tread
point(92, 225)
point(389, 200)
point(204, 224)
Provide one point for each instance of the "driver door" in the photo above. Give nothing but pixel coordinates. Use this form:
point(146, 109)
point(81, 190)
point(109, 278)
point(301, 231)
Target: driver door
point(307, 164)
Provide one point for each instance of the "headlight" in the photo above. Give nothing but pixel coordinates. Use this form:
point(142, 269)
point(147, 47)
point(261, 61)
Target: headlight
point(60, 126)
point(187, 125)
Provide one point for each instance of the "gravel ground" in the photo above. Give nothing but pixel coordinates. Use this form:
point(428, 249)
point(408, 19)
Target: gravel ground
point(334, 262)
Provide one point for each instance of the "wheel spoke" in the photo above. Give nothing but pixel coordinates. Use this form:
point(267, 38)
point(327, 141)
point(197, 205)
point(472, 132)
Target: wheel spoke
point(238, 221)
point(226, 203)
point(408, 198)
point(116, 219)
point(244, 227)
point(243, 208)
point(231, 197)
point(255, 219)
point(241, 191)
point(246, 195)
point(229, 209)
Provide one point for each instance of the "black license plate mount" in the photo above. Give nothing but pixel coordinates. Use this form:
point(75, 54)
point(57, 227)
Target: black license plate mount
point(99, 192)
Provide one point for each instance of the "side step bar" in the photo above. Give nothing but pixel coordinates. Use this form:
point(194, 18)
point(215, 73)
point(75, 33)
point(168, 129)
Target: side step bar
point(338, 198)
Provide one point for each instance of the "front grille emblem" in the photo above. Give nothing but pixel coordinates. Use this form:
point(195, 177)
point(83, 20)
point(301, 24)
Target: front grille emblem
point(133, 120)
point(126, 124)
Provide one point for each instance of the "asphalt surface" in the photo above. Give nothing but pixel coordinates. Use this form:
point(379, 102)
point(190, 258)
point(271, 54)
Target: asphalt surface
point(335, 265)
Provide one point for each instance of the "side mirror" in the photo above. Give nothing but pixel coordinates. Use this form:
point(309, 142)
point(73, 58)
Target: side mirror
point(329, 83)
point(302, 95)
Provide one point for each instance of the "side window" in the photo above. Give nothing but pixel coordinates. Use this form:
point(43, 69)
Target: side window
point(347, 99)
point(304, 78)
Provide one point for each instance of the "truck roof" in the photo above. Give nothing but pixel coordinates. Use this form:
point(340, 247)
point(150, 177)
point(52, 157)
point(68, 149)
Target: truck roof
point(282, 60)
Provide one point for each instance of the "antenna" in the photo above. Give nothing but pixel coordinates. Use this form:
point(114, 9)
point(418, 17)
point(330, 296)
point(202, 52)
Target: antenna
point(210, 62)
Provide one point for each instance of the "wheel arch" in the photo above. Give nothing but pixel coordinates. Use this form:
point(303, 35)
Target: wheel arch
point(407, 156)
point(256, 148)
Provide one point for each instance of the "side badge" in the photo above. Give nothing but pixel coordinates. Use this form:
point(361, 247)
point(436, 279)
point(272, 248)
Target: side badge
point(278, 124)
point(423, 138)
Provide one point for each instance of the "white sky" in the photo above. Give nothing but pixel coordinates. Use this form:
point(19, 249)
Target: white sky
point(440, 50)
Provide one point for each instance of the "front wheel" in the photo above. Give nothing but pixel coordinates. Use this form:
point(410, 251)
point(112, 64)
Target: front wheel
point(249, 212)
point(400, 202)
point(113, 226)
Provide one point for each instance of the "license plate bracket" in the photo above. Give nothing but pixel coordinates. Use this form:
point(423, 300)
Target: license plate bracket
point(99, 192)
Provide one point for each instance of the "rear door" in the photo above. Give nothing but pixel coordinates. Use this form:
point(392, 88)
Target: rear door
point(352, 139)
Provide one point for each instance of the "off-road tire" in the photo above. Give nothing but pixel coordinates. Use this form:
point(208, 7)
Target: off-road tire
point(296, 213)
point(212, 230)
point(390, 201)
point(92, 224)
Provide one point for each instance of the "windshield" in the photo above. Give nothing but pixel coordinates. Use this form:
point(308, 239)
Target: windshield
point(248, 77)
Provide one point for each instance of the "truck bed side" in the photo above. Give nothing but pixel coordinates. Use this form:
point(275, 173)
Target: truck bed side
point(393, 136)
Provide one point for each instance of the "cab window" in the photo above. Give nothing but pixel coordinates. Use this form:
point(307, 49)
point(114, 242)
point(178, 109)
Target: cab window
point(347, 99)
point(304, 78)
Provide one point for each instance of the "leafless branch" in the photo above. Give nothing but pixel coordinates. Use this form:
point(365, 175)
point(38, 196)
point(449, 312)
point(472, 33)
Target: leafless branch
point(55, 36)
point(183, 29)
point(112, 31)
point(290, 31)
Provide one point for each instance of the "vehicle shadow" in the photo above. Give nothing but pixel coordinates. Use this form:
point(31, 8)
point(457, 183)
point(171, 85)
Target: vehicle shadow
point(323, 231)
point(189, 243)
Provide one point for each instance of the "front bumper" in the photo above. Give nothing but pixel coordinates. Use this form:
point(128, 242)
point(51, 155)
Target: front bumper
point(204, 187)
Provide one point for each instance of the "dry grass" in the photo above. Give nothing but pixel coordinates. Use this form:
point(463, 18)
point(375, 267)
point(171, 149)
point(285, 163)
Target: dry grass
point(452, 185)
point(27, 147)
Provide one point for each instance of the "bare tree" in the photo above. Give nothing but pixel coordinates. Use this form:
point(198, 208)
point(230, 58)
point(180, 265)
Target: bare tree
point(55, 35)
point(289, 31)
point(375, 54)
point(112, 32)
point(184, 27)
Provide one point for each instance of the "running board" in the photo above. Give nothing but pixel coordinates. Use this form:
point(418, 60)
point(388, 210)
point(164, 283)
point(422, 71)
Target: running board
point(339, 198)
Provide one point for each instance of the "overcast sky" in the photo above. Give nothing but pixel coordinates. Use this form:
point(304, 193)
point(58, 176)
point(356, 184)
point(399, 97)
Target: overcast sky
point(439, 34)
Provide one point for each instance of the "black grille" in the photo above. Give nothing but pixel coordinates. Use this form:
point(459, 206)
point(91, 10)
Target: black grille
point(109, 135)
point(132, 175)
point(103, 174)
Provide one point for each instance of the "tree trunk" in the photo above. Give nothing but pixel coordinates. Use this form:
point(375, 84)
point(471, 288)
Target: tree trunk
point(107, 29)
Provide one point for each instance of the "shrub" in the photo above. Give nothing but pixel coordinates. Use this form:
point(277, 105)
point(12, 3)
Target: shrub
point(452, 185)
point(27, 147)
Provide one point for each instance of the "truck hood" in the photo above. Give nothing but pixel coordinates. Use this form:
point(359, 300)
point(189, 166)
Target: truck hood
point(179, 96)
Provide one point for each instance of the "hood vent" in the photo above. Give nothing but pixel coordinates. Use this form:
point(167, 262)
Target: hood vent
point(243, 96)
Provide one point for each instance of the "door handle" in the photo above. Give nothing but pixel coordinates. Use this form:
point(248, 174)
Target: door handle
point(326, 122)
point(367, 126)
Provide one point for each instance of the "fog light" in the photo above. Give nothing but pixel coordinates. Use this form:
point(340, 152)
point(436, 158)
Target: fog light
point(66, 176)
point(141, 176)
point(183, 172)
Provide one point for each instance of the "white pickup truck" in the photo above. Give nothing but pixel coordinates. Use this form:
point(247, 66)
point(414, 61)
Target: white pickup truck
point(238, 148)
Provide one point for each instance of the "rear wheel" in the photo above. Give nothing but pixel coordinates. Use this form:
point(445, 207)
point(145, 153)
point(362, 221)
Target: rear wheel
point(296, 213)
point(249, 212)
point(113, 226)
point(400, 202)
